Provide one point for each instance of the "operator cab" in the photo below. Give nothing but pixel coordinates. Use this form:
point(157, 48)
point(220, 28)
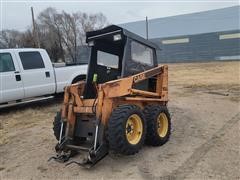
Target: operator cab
point(117, 53)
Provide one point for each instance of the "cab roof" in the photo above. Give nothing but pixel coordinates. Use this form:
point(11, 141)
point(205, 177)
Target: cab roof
point(113, 29)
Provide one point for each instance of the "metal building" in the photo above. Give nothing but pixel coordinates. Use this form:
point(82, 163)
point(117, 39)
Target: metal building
point(202, 36)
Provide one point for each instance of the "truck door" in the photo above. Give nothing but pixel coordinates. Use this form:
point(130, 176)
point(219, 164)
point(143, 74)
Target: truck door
point(37, 74)
point(11, 86)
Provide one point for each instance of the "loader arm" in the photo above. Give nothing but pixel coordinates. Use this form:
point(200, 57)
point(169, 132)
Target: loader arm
point(124, 86)
point(114, 89)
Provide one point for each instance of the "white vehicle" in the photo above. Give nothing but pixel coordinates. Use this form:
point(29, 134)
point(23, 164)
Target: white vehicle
point(27, 73)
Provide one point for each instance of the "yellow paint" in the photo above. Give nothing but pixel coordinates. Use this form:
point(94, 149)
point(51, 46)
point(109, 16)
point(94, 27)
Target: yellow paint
point(162, 123)
point(134, 129)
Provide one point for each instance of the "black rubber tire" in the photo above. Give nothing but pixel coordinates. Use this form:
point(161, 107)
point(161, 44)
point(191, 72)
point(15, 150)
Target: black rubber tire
point(151, 113)
point(116, 132)
point(57, 126)
point(78, 78)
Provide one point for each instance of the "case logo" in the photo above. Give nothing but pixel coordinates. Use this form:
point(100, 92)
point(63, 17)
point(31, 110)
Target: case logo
point(138, 78)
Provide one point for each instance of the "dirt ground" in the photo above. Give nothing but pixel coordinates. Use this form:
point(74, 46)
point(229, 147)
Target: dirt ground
point(204, 105)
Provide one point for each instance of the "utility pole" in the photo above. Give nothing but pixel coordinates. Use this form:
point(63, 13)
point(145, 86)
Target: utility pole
point(35, 33)
point(146, 27)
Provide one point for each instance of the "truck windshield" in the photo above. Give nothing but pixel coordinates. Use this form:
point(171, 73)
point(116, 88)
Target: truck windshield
point(107, 59)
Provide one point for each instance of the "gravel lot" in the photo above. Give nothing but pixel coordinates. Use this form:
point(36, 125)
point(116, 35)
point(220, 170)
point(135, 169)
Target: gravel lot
point(205, 110)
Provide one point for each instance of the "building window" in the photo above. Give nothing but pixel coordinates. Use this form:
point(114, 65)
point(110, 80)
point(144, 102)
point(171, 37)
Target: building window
point(229, 36)
point(175, 41)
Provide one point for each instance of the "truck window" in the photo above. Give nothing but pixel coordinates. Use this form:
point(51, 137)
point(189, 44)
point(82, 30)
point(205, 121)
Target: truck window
point(141, 53)
point(31, 60)
point(6, 62)
point(107, 59)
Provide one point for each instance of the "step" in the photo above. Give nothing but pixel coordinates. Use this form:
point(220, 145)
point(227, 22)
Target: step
point(77, 148)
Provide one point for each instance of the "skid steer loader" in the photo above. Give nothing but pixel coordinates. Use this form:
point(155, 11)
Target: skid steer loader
point(121, 105)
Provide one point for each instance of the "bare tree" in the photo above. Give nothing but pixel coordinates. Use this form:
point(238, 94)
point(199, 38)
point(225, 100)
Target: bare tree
point(10, 39)
point(49, 33)
point(61, 34)
point(73, 28)
point(68, 30)
point(27, 39)
point(88, 23)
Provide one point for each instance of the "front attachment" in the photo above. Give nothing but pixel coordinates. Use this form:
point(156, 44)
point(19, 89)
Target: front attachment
point(94, 151)
point(92, 158)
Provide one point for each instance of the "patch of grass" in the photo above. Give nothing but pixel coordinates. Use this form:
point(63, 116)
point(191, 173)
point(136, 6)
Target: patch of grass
point(205, 74)
point(3, 137)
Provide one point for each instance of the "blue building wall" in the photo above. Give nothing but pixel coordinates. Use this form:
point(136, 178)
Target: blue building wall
point(202, 29)
point(201, 47)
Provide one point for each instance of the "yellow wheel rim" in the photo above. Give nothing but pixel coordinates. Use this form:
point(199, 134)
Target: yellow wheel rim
point(162, 125)
point(134, 129)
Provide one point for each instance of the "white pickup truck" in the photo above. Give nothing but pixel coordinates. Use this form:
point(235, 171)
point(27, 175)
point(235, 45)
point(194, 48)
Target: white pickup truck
point(27, 73)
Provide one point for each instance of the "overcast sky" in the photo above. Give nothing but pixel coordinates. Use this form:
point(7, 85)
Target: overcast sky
point(16, 14)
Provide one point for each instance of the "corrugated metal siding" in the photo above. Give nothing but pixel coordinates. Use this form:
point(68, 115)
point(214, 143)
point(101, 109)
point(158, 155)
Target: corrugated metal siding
point(225, 19)
point(201, 47)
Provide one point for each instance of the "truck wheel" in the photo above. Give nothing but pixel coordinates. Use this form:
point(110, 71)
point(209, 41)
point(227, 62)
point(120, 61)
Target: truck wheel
point(57, 126)
point(79, 78)
point(126, 129)
point(158, 125)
